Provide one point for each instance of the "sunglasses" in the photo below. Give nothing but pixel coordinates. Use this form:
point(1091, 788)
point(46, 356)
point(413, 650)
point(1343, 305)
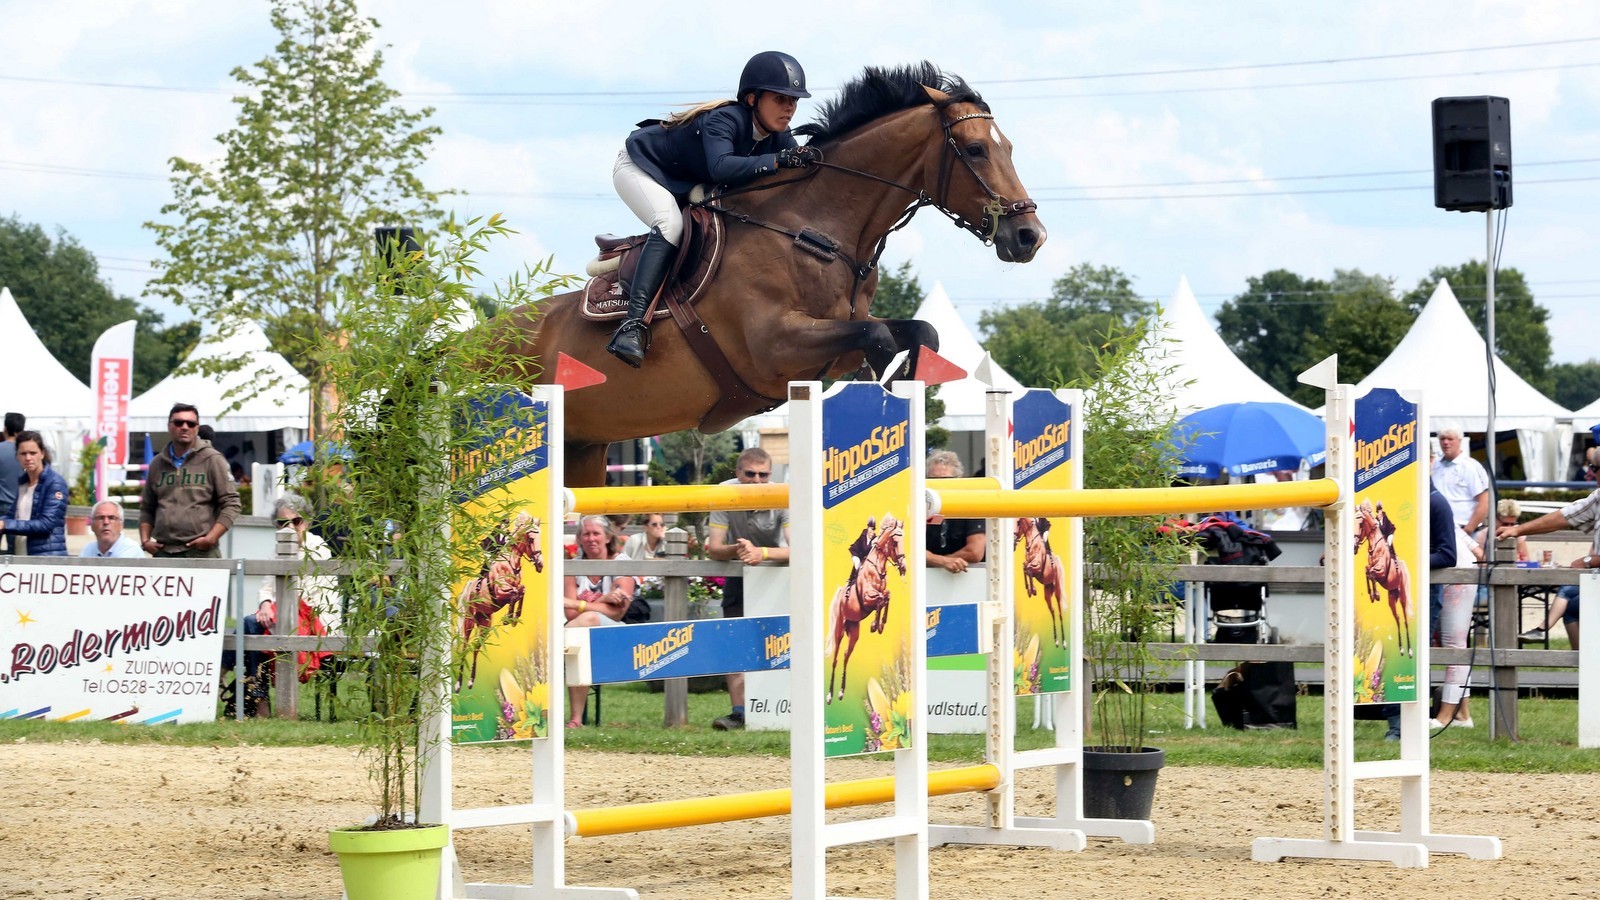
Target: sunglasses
point(185, 423)
point(752, 473)
point(296, 522)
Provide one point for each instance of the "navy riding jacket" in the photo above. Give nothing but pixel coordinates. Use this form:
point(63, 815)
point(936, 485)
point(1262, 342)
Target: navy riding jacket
point(716, 147)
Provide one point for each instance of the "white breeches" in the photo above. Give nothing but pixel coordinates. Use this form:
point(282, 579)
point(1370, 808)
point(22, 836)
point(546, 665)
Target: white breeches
point(653, 204)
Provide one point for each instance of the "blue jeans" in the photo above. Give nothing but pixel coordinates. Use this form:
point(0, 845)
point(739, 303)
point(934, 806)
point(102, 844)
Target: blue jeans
point(1570, 592)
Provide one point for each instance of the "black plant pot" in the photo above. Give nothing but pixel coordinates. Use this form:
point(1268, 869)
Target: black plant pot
point(1119, 784)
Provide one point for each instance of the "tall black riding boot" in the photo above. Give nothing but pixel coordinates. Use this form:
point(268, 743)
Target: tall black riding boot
point(632, 338)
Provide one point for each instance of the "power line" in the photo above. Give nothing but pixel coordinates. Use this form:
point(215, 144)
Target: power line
point(1266, 179)
point(1359, 190)
point(1095, 76)
point(1300, 84)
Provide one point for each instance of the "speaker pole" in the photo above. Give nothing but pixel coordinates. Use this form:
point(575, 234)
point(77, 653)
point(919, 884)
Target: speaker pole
point(1494, 356)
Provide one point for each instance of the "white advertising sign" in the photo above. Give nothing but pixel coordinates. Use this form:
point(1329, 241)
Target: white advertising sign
point(134, 645)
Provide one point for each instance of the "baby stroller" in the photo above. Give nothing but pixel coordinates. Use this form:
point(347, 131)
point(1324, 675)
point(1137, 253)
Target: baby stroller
point(1237, 610)
point(1252, 694)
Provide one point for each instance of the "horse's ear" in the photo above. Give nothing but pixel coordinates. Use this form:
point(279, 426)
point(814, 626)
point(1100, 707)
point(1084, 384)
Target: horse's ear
point(937, 96)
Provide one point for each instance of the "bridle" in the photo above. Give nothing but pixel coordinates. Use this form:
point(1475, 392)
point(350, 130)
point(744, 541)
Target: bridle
point(994, 212)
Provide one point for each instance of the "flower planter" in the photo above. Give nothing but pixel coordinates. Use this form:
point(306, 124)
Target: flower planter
point(1120, 785)
point(77, 525)
point(397, 864)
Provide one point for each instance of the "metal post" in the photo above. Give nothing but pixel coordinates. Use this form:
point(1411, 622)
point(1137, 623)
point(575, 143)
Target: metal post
point(675, 596)
point(1504, 626)
point(286, 680)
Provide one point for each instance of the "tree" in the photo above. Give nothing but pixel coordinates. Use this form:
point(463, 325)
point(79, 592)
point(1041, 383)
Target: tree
point(899, 294)
point(1273, 327)
point(1053, 342)
point(58, 287)
point(320, 154)
point(1364, 324)
point(1521, 337)
point(1575, 385)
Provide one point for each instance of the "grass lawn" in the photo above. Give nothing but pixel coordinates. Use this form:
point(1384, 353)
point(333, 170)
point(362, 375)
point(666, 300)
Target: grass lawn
point(632, 724)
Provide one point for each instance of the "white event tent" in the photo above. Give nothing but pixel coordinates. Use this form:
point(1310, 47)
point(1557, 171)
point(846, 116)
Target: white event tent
point(1443, 355)
point(282, 403)
point(33, 382)
point(1587, 418)
point(964, 400)
point(1214, 375)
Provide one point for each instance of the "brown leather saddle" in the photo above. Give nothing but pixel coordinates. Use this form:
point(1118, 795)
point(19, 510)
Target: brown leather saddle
point(605, 294)
point(605, 298)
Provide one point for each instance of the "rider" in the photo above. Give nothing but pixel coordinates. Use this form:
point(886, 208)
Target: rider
point(861, 547)
point(725, 142)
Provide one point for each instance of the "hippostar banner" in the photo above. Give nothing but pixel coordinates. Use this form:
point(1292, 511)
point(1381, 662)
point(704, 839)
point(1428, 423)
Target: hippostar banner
point(867, 537)
point(1042, 458)
point(1390, 563)
point(111, 644)
point(501, 673)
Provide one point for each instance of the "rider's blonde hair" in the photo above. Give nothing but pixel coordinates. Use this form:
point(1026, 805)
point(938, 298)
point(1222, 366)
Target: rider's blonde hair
point(688, 115)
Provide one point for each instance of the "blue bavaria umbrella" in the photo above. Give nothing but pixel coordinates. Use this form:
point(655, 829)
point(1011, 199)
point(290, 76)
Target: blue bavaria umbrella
point(1246, 438)
point(305, 453)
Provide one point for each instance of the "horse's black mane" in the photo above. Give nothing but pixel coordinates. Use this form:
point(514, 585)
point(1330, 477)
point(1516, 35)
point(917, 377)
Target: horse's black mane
point(880, 91)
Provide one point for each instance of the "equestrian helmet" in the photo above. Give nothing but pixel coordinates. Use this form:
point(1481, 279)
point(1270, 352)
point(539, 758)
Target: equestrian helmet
point(773, 71)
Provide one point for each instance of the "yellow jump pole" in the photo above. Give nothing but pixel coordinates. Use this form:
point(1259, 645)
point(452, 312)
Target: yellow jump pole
point(1321, 492)
point(604, 501)
point(678, 498)
point(761, 804)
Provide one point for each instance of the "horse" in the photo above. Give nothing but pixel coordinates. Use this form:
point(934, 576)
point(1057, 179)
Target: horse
point(1386, 569)
point(867, 595)
point(498, 586)
point(1042, 566)
point(799, 268)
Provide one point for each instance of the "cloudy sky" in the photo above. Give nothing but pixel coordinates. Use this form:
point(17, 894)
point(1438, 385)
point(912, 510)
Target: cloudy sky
point(1163, 138)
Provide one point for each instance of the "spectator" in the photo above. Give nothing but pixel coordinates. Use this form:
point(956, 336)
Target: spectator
point(237, 471)
point(40, 515)
point(1455, 620)
point(1506, 512)
point(319, 592)
point(953, 544)
point(105, 521)
point(1461, 479)
point(1441, 555)
point(651, 543)
point(257, 674)
point(189, 501)
point(1581, 514)
point(10, 473)
point(598, 600)
point(752, 536)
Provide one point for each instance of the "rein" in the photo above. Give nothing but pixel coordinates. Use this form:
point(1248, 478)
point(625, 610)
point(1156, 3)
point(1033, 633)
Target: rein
point(995, 211)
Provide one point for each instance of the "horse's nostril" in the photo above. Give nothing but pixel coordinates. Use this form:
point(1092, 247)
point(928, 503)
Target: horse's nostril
point(1027, 237)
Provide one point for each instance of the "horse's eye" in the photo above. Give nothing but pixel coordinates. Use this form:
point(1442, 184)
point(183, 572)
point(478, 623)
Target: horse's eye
point(976, 149)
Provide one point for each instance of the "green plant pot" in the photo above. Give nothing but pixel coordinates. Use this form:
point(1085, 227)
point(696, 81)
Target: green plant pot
point(1120, 785)
point(397, 864)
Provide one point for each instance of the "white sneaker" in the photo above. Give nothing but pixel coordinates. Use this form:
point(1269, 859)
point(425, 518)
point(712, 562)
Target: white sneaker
point(1435, 724)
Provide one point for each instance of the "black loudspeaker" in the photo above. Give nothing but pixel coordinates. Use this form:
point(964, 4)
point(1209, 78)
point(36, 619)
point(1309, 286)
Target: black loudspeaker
point(1472, 153)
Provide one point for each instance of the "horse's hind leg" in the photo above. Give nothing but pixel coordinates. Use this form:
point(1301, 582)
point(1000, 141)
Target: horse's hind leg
point(854, 631)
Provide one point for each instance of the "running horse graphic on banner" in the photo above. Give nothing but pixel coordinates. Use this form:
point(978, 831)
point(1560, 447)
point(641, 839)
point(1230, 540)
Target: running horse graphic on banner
point(1385, 569)
point(866, 596)
point(1041, 567)
point(498, 586)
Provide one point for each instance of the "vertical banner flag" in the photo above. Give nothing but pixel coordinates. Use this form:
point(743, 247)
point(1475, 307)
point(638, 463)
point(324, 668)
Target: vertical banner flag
point(113, 644)
point(111, 370)
point(502, 676)
point(1042, 458)
point(1388, 508)
point(868, 534)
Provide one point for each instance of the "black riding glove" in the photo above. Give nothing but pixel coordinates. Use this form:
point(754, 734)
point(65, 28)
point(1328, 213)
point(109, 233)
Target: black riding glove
point(795, 157)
